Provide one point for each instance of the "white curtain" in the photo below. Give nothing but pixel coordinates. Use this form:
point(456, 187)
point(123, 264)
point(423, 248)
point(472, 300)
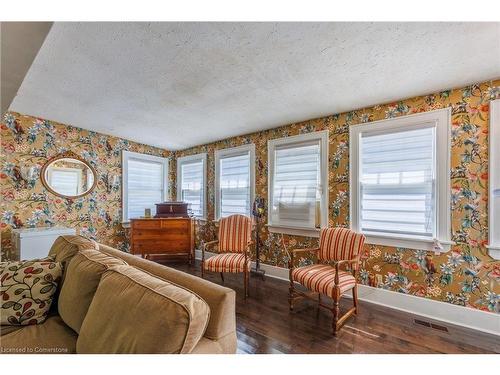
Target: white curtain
point(296, 184)
point(235, 185)
point(192, 185)
point(398, 182)
point(145, 186)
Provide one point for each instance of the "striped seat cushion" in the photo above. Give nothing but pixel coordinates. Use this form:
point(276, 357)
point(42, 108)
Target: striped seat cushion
point(229, 262)
point(321, 278)
point(235, 232)
point(339, 244)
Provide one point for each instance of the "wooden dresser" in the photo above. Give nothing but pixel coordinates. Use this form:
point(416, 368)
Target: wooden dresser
point(162, 236)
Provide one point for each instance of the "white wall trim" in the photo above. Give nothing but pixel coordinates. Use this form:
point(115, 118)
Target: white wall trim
point(494, 181)
point(294, 231)
point(406, 242)
point(446, 312)
point(193, 159)
point(439, 119)
point(483, 321)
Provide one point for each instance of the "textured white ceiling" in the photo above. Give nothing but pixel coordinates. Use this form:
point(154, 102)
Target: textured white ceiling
point(176, 85)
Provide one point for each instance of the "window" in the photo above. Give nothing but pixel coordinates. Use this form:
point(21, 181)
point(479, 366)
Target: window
point(400, 180)
point(298, 184)
point(494, 180)
point(144, 183)
point(234, 180)
point(191, 172)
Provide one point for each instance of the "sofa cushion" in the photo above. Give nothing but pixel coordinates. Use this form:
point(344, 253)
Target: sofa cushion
point(136, 312)
point(82, 277)
point(53, 336)
point(65, 247)
point(27, 290)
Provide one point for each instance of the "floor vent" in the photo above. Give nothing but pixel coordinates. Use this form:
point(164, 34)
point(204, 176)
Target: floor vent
point(439, 327)
point(422, 323)
point(431, 325)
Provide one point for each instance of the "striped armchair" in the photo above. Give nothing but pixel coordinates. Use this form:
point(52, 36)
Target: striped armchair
point(338, 248)
point(235, 238)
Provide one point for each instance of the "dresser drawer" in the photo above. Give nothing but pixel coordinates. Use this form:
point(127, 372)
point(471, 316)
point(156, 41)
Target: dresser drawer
point(162, 247)
point(145, 224)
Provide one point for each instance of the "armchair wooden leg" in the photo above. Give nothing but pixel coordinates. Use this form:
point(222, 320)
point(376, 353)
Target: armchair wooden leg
point(335, 310)
point(246, 283)
point(291, 296)
point(222, 276)
point(202, 269)
point(355, 299)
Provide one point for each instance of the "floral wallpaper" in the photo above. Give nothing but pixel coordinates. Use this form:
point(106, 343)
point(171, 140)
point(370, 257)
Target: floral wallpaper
point(466, 275)
point(26, 144)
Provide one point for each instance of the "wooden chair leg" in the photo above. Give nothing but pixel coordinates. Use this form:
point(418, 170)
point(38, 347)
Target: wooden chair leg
point(335, 310)
point(355, 299)
point(222, 277)
point(202, 269)
point(291, 293)
point(246, 283)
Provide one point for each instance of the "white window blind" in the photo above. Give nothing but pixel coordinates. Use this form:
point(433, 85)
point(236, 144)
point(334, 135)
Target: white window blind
point(145, 182)
point(65, 181)
point(192, 185)
point(235, 185)
point(397, 183)
point(296, 184)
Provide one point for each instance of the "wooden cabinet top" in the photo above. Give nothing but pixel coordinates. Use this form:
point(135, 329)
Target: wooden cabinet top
point(162, 218)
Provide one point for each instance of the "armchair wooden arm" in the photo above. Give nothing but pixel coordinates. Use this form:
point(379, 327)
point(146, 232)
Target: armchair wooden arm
point(205, 246)
point(337, 265)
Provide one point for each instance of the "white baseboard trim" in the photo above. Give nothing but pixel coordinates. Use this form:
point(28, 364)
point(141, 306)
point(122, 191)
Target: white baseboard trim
point(483, 321)
point(446, 312)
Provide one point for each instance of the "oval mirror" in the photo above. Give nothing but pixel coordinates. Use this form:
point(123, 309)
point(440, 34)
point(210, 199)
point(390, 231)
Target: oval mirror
point(68, 176)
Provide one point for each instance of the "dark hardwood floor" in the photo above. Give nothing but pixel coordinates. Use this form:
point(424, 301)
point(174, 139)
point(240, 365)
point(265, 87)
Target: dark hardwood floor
point(265, 325)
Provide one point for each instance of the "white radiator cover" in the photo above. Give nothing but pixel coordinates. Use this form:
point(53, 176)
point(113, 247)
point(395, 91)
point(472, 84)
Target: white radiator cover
point(34, 243)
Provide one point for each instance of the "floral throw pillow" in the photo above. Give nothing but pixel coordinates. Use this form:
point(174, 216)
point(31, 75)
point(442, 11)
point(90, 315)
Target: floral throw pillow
point(27, 289)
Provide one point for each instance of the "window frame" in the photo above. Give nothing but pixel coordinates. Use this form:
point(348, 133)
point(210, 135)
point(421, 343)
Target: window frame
point(323, 137)
point(441, 120)
point(494, 179)
point(187, 160)
point(126, 156)
point(229, 152)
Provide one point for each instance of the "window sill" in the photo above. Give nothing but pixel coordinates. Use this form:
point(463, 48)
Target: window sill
point(407, 242)
point(305, 232)
point(494, 251)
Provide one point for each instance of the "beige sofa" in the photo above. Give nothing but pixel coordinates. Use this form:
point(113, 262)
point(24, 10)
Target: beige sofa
point(114, 302)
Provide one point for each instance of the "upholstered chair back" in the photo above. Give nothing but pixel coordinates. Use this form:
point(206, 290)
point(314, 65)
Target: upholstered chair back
point(339, 244)
point(235, 232)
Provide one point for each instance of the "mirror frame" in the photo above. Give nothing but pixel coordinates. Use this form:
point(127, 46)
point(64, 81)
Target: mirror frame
point(67, 155)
